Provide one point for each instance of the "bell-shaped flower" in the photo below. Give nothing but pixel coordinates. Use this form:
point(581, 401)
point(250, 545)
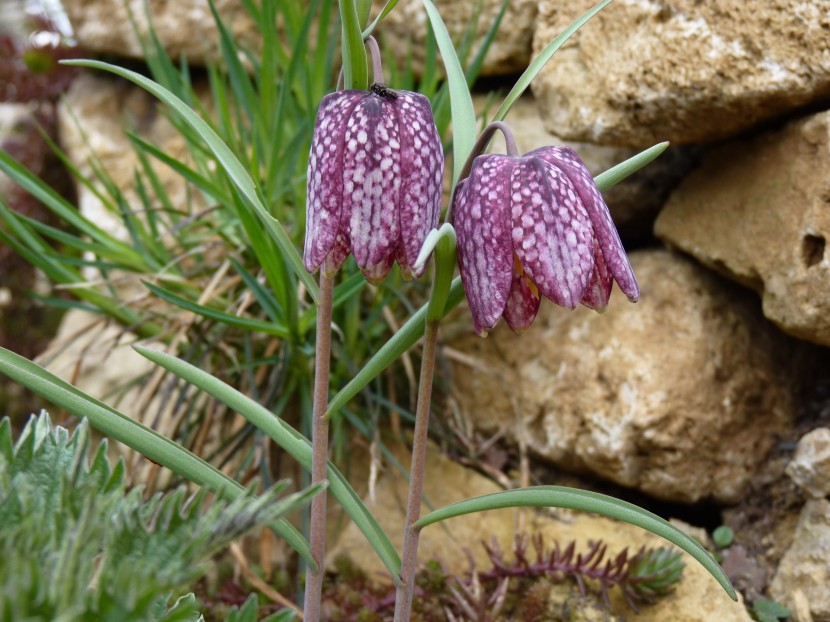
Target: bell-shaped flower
point(375, 175)
point(534, 226)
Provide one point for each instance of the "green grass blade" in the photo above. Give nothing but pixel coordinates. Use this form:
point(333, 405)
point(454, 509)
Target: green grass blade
point(384, 12)
point(264, 297)
point(291, 441)
point(464, 129)
point(342, 293)
point(232, 166)
point(269, 328)
point(413, 329)
point(615, 175)
point(544, 56)
point(355, 69)
point(585, 501)
point(144, 440)
point(63, 209)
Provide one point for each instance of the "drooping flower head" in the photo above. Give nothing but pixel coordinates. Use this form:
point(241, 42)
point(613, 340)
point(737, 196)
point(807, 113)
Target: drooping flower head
point(532, 226)
point(374, 181)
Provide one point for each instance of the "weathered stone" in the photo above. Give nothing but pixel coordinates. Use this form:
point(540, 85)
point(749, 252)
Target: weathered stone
point(404, 32)
point(185, 28)
point(759, 211)
point(680, 395)
point(810, 466)
point(806, 565)
point(697, 597)
point(636, 201)
point(686, 71)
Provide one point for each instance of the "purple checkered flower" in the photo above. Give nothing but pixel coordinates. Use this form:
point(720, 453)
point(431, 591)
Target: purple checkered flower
point(374, 181)
point(534, 226)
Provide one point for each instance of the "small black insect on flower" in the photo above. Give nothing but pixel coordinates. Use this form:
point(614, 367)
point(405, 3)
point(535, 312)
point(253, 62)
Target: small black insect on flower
point(384, 91)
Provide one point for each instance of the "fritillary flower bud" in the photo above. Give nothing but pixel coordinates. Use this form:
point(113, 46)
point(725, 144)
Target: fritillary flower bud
point(532, 226)
point(374, 181)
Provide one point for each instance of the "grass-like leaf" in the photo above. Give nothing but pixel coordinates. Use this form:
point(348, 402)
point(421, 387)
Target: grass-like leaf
point(268, 328)
point(144, 440)
point(544, 56)
point(461, 102)
point(294, 443)
point(583, 500)
point(233, 167)
point(355, 69)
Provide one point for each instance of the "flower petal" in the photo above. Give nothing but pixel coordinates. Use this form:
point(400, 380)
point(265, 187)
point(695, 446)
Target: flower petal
point(481, 217)
point(372, 181)
point(523, 300)
point(604, 229)
point(551, 231)
point(339, 251)
point(599, 288)
point(325, 176)
point(422, 172)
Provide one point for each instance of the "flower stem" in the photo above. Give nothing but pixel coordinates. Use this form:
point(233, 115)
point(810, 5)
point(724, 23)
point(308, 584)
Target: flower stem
point(403, 598)
point(319, 450)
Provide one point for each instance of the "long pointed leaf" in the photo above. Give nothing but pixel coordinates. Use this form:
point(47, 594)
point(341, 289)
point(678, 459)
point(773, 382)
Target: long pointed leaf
point(144, 440)
point(236, 172)
point(461, 102)
point(586, 501)
point(291, 441)
point(269, 328)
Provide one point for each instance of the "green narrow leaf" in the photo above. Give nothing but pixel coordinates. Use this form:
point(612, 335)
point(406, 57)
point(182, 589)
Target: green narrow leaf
point(144, 440)
point(585, 501)
point(294, 443)
point(464, 129)
point(355, 69)
point(269, 328)
point(544, 56)
point(615, 175)
point(390, 4)
point(232, 166)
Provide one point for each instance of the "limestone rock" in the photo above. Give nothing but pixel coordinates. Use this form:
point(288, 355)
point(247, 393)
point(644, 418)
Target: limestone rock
point(404, 32)
point(810, 466)
point(184, 28)
point(680, 395)
point(635, 202)
point(697, 597)
point(686, 71)
point(759, 211)
point(806, 565)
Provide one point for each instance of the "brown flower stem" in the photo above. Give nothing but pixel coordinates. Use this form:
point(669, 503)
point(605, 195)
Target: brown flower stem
point(319, 450)
point(403, 598)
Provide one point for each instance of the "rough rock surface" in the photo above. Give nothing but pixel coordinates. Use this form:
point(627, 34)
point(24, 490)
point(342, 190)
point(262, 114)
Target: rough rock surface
point(635, 202)
point(759, 211)
point(810, 466)
point(680, 395)
point(697, 598)
point(805, 567)
point(185, 27)
point(687, 71)
point(404, 31)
